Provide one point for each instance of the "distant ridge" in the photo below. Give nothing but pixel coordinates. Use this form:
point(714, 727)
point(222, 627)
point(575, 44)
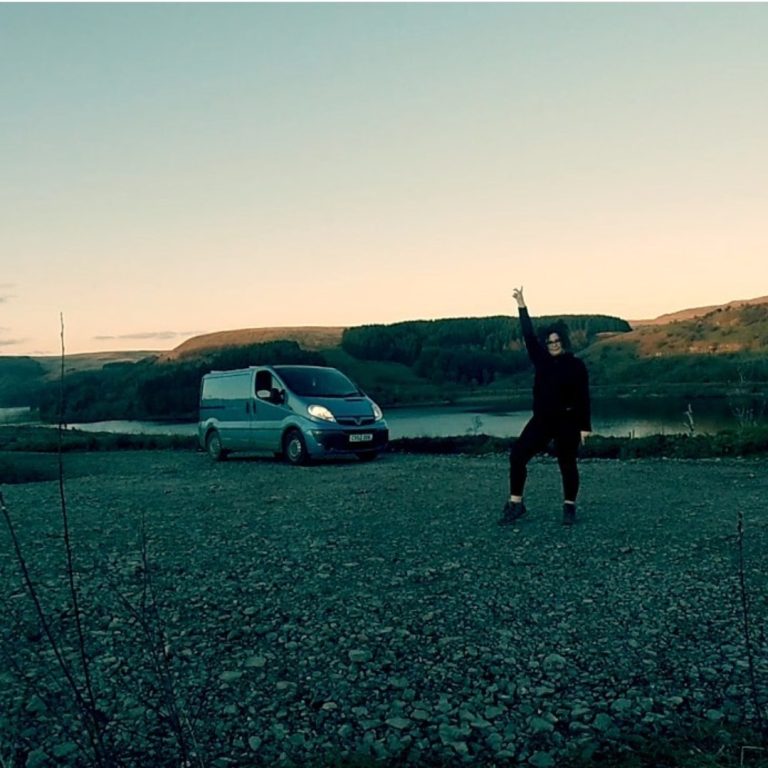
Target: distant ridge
point(308, 337)
point(90, 361)
point(690, 314)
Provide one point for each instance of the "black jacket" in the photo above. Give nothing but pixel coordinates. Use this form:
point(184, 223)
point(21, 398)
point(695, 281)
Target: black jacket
point(561, 382)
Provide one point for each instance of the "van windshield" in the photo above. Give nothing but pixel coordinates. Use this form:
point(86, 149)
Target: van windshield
point(317, 382)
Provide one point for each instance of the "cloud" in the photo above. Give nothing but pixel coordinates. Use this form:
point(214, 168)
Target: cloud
point(148, 335)
point(10, 342)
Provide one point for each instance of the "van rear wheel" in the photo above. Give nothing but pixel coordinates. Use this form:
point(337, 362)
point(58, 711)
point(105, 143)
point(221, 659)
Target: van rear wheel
point(213, 446)
point(295, 448)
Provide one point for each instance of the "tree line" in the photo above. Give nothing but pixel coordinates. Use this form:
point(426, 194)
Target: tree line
point(20, 379)
point(471, 351)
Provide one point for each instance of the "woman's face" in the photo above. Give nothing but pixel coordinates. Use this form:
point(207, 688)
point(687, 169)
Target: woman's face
point(554, 344)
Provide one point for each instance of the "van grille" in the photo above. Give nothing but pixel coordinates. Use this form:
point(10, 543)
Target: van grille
point(354, 421)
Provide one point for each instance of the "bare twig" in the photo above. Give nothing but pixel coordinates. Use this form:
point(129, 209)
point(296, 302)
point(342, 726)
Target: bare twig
point(73, 732)
point(83, 707)
point(160, 654)
point(744, 751)
point(85, 702)
point(746, 624)
point(688, 413)
point(147, 616)
point(92, 709)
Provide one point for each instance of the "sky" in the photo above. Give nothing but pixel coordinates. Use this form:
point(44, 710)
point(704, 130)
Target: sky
point(170, 170)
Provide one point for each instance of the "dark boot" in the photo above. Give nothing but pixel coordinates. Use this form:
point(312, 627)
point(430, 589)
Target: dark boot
point(512, 511)
point(569, 514)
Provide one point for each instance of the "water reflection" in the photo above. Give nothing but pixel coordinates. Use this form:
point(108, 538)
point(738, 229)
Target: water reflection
point(612, 418)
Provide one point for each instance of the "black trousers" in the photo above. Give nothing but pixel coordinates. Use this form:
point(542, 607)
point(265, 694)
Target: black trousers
point(533, 439)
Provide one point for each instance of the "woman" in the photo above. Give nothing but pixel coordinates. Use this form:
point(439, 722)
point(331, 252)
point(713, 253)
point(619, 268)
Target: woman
point(561, 412)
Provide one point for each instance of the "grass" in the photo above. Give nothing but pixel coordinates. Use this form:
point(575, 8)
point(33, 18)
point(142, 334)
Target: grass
point(745, 442)
point(20, 467)
point(27, 453)
point(45, 439)
point(30, 454)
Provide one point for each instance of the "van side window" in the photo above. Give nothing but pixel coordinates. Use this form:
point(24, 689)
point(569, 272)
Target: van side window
point(224, 387)
point(263, 383)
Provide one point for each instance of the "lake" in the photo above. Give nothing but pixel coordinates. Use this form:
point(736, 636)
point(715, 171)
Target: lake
point(611, 418)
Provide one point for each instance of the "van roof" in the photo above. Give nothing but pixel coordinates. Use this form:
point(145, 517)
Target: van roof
point(277, 367)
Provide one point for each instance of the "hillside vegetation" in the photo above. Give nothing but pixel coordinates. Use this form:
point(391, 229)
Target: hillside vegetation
point(419, 361)
point(723, 330)
point(460, 354)
point(155, 390)
point(725, 346)
point(21, 378)
point(427, 361)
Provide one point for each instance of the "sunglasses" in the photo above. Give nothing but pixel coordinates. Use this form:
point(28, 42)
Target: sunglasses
point(552, 342)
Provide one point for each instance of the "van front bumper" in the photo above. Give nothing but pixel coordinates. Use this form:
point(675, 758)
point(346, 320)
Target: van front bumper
point(347, 440)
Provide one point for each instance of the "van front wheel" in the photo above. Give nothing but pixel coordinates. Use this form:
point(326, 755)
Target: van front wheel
point(213, 446)
point(294, 447)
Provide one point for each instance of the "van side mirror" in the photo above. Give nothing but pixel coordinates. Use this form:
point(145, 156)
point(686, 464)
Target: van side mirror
point(274, 395)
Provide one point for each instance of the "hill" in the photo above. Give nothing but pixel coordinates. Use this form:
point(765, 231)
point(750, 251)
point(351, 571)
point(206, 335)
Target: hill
point(740, 327)
point(308, 337)
point(725, 349)
point(89, 361)
point(694, 312)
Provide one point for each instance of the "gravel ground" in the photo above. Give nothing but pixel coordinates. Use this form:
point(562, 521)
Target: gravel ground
point(375, 612)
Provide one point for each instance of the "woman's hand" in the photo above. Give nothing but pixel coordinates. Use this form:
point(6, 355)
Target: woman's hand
point(517, 295)
point(584, 436)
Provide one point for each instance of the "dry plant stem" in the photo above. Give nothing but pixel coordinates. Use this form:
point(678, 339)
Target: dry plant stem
point(747, 632)
point(166, 687)
point(68, 542)
point(12, 664)
point(91, 710)
point(160, 656)
point(148, 618)
point(30, 587)
point(744, 751)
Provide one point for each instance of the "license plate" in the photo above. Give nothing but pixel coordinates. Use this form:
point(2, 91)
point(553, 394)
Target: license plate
point(362, 437)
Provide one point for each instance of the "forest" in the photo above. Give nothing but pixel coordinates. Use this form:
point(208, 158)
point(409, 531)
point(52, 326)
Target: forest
point(470, 351)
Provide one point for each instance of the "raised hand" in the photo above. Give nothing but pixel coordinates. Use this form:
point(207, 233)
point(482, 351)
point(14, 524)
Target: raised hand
point(517, 295)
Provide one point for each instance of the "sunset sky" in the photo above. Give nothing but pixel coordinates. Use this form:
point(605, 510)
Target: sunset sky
point(172, 170)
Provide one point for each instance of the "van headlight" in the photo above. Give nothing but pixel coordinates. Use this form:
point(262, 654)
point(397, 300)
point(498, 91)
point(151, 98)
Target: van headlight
point(377, 414)
point(320, 412)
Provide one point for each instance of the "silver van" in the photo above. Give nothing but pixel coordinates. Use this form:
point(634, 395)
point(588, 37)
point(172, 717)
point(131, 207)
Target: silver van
point(299, 412)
